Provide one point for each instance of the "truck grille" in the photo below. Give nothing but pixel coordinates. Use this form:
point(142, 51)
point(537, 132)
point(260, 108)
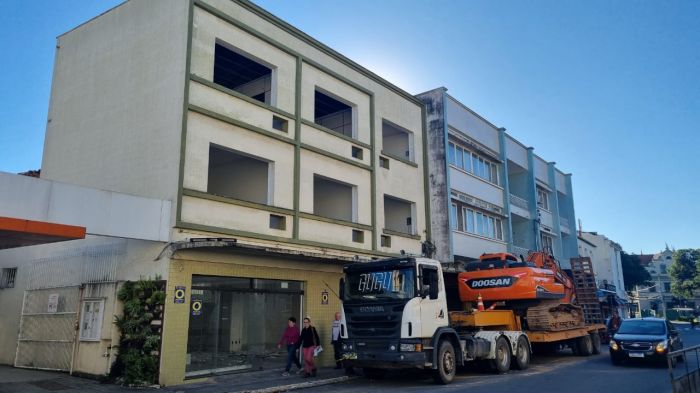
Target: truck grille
point(636, 346)
point(374, 324)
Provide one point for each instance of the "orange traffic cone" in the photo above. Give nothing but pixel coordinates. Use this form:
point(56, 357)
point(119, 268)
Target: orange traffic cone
point(480, 303)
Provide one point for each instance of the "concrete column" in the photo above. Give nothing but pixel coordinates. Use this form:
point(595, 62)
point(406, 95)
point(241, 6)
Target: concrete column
point(571, 246)
point(532, 199)
point(554, 205)
point(506, 189)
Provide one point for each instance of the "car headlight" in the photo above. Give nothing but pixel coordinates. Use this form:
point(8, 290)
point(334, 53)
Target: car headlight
point(662, 346)
point(613, 345)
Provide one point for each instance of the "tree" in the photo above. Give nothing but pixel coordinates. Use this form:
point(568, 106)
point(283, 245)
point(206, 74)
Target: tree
point(684, 270)
point(633, 272)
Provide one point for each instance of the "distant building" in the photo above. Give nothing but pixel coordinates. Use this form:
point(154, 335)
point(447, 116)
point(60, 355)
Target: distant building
point(657, 296)
point(607, 266)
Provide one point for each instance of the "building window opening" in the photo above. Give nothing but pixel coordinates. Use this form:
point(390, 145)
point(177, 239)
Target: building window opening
point(278, 222)
point(8, 276)
point(280, 124)
point(235, 323)
point(547, 243)
point(333, 114)
point(396, 141)
point(334, 199)
point(238, 176)
point(398, 215)
point(385, 241)
point(542, 199)
point(242, 74)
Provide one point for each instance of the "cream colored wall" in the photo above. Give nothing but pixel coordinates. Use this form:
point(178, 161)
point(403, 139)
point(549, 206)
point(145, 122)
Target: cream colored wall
point(208, 28)
point(314, 275)
point(204, 130)
point(332, 144)
point(326, 232)
point(402, 181)
point(225, 215)
point(115, 115)
point(235, 108)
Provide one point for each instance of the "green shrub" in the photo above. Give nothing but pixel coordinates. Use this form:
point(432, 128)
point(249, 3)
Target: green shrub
point(139, 343)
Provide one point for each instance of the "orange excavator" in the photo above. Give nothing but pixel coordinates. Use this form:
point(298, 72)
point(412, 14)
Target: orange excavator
point(536, 288)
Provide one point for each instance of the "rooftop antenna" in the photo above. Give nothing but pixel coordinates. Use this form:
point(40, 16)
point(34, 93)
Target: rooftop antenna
point(580, 227)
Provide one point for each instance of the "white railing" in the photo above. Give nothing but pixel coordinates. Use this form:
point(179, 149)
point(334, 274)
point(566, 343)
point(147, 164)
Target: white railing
point(518, 251)
point(519, 202)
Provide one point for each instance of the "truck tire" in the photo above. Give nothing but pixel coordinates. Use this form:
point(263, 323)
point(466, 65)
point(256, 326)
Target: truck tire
point(522, 356)
point(595, 340)
point(446, 364)
point(501, 364)
point(374, 373)
point(585, 345)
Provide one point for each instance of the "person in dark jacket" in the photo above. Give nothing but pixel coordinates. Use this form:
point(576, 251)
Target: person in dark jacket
point(291, 339)
point(308, 342)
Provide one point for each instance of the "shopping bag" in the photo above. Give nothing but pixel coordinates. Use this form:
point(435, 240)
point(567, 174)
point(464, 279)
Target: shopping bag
point(318, 350)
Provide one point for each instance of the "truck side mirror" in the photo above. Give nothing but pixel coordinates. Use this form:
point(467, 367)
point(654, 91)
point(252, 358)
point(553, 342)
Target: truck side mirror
point(341, 289)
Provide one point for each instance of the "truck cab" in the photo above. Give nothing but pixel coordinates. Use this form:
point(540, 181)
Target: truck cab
point(390, 308)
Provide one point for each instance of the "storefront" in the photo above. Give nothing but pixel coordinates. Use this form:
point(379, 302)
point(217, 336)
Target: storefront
point(235, 322)
point(226, 311)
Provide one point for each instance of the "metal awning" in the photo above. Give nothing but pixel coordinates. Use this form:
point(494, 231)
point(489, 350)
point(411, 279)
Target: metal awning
point(228, 244)
point(16, 232)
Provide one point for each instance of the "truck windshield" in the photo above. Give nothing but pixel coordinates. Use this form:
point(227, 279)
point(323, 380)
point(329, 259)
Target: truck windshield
point(384, 284)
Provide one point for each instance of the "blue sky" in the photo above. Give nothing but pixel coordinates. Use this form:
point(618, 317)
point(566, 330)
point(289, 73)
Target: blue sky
point(610, 90)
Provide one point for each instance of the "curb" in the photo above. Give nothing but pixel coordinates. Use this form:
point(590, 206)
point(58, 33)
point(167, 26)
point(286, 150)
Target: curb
point(296, 386)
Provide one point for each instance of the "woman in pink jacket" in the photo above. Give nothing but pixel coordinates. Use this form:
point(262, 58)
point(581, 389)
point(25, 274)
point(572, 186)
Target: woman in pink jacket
point(291, 339)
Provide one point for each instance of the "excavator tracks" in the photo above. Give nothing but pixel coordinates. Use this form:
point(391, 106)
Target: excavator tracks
point(552, 316)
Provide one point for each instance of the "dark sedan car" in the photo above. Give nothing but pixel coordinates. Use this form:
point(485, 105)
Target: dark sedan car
point(645, 339)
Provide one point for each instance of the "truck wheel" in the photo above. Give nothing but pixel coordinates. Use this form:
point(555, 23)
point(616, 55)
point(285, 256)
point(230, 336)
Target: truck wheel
point(446, 364)
point(501, 364)
point(595, 341)
point(374, 373)
point(522, 356)
point(585, 345)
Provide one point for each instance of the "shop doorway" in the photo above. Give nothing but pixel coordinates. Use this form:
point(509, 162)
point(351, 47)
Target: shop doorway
point(236, 323)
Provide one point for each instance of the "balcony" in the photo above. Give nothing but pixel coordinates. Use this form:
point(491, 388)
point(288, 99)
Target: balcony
point(519, 202)
point(518, 251)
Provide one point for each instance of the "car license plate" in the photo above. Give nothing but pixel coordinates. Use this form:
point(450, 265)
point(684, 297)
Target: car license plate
point(636, 355)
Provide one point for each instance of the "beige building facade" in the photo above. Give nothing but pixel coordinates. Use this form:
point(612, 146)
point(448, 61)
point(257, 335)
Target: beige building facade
point(283, 160)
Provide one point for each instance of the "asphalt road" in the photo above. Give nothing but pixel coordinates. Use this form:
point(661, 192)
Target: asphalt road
point(562, 373)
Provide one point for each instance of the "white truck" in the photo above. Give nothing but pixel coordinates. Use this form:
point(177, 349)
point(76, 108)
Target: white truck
point(395, 315)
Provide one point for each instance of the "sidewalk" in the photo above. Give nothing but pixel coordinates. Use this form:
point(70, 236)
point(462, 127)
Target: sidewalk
point(13, 380)
point(267, 381)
